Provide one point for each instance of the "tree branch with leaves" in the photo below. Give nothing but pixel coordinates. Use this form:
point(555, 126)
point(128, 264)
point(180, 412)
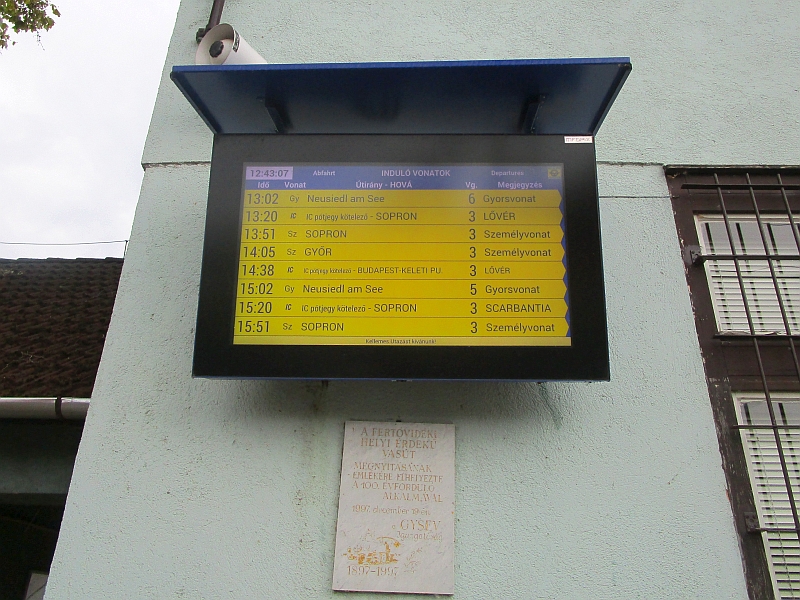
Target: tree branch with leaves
point(25, 15)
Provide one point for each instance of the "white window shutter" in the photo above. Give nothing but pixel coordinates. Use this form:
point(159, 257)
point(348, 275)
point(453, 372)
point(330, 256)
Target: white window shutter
point(762, 299)
point(769, 485)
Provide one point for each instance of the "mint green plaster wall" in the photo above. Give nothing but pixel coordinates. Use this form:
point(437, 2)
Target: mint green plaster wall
point(189, 488)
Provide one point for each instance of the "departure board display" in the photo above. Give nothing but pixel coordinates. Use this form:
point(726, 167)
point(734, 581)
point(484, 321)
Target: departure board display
point(393, 254)
point(402, 257)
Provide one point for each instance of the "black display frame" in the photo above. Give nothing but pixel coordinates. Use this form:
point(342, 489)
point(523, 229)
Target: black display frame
point(215, 355)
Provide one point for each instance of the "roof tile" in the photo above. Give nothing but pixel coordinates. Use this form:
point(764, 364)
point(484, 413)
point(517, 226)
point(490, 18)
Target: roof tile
point(54, 314)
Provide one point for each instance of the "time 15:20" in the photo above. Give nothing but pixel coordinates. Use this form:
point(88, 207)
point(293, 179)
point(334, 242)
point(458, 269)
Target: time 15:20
point(255, 307)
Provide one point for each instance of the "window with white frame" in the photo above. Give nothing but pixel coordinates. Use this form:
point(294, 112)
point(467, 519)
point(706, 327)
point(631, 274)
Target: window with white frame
point(740, 234)
point(772, 500)
point(760, 289)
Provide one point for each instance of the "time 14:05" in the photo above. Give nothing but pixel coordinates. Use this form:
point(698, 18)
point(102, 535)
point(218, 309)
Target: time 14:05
point(258, 251)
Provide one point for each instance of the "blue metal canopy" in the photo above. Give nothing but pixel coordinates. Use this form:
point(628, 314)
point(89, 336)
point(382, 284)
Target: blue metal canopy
point(547, 96)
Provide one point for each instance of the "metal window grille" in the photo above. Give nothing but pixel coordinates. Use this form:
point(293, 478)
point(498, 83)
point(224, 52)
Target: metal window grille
point(773, 503)
point(762, 293)
point(741, 241)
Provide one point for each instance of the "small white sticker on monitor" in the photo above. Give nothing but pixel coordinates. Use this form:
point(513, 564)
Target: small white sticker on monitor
point(578, 139)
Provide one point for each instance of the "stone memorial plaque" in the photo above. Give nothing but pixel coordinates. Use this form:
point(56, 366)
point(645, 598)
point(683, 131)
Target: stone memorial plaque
point(395, 530)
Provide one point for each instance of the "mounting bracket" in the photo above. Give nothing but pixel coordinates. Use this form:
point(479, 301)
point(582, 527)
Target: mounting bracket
point(532, 113)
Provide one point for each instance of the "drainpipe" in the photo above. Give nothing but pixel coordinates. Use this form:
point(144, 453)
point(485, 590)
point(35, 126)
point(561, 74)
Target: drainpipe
point(73, 409)
point(213, 20)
